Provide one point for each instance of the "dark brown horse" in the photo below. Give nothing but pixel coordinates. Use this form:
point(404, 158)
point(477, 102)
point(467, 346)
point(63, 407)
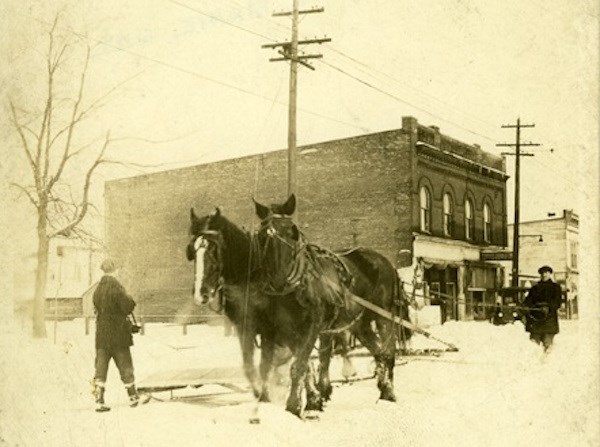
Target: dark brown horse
point(228, 285)
point(316, 288)
point(226, 265)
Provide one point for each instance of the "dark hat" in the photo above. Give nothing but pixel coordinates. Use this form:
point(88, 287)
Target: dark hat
point(545, 268)
point(108, 265)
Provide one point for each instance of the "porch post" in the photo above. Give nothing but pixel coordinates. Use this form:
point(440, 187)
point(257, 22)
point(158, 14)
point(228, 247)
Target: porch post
point(462, 299)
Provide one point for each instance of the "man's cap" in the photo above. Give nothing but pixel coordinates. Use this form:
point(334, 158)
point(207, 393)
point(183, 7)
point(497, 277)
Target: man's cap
point(545, 268)
point(108, 265)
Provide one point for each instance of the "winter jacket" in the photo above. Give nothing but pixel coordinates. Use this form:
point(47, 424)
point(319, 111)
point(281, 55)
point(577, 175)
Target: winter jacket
point(112, 305)
point(546, 295)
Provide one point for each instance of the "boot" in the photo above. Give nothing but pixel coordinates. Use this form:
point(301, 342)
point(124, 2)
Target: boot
point(98, 392)
point(134, 397)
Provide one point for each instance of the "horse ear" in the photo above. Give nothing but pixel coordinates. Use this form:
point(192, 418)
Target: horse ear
point(261, 211)
point(289, 206)
point(193, 216)
point(216, 212)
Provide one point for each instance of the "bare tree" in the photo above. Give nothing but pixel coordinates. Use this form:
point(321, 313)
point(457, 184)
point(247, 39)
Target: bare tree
point(47, 139)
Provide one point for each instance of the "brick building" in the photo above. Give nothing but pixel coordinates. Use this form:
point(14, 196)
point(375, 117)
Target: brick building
point(430, 203)
point(553, 241)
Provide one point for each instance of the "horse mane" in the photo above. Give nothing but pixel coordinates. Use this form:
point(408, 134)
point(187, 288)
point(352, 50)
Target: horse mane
point(236, 249)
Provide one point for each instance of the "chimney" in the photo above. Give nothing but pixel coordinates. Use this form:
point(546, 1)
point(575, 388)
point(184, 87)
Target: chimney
point(409, 123)
point(437, 137)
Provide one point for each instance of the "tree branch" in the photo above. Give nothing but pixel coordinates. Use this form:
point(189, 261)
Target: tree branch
point(47, 115)
point(19, 129)
point(86, 189)
point(86, 236)
point(72, 123)
point(27, 193)
point(96, 103)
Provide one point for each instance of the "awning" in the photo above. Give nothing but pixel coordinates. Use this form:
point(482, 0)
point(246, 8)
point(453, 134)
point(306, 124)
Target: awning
point(439, 264)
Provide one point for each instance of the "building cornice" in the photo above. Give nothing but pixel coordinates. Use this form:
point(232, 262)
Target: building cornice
point(458, 161)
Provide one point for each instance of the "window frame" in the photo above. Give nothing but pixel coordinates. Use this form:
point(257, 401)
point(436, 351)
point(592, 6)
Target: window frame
point(469, 220)
point(487, 222)
point(448, 214)
point(425, 212)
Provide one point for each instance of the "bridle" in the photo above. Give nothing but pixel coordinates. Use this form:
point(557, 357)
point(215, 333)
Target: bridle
point(213, 238)
point(296, 267)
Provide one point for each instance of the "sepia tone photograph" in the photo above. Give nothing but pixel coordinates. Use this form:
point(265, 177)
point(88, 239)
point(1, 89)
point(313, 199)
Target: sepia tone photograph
point(292, 223)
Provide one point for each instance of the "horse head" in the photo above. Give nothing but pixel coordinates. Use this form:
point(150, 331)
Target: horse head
point(206, 250)
point(280, 243)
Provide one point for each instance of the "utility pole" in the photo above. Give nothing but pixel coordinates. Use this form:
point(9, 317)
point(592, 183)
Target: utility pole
point(518, 154)
point(289, 51)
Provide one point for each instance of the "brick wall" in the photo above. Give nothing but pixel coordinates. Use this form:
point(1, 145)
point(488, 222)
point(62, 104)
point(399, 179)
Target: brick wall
point(461, 186)
point(443, 173)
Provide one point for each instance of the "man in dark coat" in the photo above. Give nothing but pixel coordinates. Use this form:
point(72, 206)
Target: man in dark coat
point(541, 305)
point(113, 334)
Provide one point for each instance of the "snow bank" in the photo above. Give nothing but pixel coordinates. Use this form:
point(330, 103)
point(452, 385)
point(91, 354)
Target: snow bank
point(499, 390)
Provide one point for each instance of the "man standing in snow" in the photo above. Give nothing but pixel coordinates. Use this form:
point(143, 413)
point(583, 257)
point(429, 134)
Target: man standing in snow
point(541, 305)
point(113, 334)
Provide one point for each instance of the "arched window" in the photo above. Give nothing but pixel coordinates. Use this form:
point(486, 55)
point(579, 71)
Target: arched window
point(469, 220)
point(448, 212)
point(425, 205)
point(487, 223)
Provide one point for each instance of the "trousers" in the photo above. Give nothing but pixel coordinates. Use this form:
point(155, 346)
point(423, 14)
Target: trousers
point(543, 339)
point(123, 360)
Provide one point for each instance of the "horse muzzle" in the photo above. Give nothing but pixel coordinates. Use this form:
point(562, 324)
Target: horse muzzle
point(208, 294)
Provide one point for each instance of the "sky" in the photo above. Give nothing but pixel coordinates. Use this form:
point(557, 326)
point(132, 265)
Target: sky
point(194, 85)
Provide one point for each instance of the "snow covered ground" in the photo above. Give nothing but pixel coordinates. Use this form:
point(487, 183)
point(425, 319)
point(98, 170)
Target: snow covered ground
point(499, 390)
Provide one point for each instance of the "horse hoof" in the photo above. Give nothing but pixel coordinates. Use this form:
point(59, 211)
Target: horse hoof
point(311, 415)
point(388, 397)
point(295, 411)
point(254, 421)
point(314, 406)
point(264, 398)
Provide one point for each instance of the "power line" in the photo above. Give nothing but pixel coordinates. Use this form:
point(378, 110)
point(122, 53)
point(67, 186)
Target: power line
point(201, 76)
point(341, 53)
point(427, 95)
point(348, 74)
point(404, 101)
point(241, 28)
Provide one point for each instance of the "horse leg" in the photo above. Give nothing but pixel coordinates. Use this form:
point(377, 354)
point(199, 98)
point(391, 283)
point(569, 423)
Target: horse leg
point(299, 369)
point(369, 339)
point(267, 348)
point(325, 352)
point(314, 402)
point(246, 338)
point(348, 369)
point(387, 336)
